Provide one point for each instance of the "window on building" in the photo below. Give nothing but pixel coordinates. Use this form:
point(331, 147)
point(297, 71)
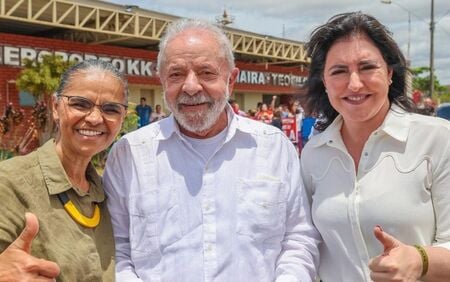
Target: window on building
point(26, 99)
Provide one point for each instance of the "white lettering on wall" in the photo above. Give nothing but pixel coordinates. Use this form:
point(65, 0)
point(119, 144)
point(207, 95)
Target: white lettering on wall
point(63, 55)
point(14, 56)
point(119, 64)
point(276, 79)
point(76, 57)
point(90, 57)
point(11, 56)
point(132, 66)
point(27, 54)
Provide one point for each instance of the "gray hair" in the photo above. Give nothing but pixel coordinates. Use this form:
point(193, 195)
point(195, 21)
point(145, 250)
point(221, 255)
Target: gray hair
point(181, 25)
point(88, 65)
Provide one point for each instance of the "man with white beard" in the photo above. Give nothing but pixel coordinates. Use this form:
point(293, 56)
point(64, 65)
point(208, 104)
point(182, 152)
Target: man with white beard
point(206, 195)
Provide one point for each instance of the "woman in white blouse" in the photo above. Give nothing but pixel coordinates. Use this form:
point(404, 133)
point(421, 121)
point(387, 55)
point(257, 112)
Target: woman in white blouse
point(378, 176)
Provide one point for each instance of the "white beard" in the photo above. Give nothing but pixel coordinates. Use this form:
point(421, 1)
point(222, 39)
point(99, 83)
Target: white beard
point(199, 121)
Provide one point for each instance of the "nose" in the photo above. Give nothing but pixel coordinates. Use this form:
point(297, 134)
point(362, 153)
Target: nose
point(355, 82)
point(95, 116)
point(191, 84)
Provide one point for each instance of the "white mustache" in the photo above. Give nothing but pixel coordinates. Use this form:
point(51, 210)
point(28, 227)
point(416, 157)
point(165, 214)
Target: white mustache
point(193, 100)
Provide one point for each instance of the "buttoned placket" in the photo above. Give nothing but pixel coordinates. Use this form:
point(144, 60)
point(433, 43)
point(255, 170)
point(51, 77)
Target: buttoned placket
point(208, 205)
point(355, 201)
point(353, 204)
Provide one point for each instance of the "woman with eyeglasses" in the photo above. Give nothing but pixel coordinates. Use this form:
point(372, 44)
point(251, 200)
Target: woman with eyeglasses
point(53, 218)
point(378, 175)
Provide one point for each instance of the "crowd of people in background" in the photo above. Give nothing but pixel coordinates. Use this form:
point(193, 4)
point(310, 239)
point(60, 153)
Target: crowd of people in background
point(280, 116)
point(272, 113)
point(147, 115)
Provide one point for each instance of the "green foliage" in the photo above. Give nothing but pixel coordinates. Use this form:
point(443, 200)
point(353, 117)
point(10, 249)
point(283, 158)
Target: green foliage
point(129, 124)
point(421, 81)
point(444, 97)
point(6, 154)
point(42, 78)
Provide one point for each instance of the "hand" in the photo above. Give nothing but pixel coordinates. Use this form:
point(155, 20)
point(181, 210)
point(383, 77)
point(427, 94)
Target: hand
point(398, 262)
point(16, 263)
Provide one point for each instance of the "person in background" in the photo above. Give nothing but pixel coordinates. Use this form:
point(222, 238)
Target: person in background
point(265, 114)
point(207, 195)
point(285, 111)
point(66, 233)
point(296, 111)
point(144, 112)
point(378, 174)
point(276, 120)
point(158, 114)
point(236, 108)
point(307, 128)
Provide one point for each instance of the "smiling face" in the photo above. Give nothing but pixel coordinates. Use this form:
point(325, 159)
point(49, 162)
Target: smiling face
point(197, 82)
point(86, 134)
point(357, 81)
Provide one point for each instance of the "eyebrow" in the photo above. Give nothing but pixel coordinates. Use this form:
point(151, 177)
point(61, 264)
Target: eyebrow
point(360, 63)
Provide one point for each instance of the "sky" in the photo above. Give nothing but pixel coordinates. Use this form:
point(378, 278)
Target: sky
point(295, 19)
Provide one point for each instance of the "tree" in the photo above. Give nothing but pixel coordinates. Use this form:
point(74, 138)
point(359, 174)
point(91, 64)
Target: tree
point(421, 81)
point(41, 79)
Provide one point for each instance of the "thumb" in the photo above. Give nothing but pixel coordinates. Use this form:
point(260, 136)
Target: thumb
point(30, 231)
point(389, 242)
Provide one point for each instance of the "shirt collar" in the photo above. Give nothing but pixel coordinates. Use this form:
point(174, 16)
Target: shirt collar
point(395, 124)
point(331, 134)
point(56, 178)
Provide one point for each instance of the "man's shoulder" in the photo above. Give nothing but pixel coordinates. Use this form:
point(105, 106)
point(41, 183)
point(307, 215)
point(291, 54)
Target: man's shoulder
point(146, 133)
point(256, 127)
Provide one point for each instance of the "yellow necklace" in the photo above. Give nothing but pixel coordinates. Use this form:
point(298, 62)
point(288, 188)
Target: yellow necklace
point(89, 222)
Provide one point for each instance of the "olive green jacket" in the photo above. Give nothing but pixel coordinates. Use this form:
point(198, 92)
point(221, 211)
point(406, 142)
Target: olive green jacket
point(30, 184)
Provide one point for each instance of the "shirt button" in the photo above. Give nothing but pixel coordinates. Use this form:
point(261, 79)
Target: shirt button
point(366, 154)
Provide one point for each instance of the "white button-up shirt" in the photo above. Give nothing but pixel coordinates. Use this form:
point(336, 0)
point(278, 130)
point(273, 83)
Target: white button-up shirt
point(403, 184)
point(242, 215)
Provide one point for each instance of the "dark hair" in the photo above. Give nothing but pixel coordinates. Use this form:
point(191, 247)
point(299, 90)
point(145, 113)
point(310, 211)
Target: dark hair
point(345, 25)
point(87, 65)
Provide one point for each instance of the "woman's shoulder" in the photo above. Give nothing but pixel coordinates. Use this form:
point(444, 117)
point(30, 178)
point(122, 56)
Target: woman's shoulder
point(430, 123)
point(17, 164)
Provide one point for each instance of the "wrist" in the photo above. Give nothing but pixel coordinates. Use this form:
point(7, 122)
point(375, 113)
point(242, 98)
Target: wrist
point(424, 259)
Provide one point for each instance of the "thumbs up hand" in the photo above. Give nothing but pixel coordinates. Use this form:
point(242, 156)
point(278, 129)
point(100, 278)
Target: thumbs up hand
point(16, 263)
point(398, 262)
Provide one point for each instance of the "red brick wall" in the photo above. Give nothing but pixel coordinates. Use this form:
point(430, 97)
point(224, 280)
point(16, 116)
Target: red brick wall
point(9, 94)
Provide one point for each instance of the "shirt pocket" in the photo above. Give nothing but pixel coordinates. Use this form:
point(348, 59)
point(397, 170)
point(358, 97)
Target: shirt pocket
point(154, 221)
point(261, 209)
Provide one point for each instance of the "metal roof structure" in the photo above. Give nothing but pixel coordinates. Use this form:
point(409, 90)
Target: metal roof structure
point(97, 22)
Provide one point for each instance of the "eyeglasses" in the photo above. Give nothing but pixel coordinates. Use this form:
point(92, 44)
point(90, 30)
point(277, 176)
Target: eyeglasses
point(110, 110)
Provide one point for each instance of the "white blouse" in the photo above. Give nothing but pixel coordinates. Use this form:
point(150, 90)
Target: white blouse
point(402, 184)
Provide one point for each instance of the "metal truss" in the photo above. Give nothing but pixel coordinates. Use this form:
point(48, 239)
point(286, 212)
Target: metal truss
point(103, 23)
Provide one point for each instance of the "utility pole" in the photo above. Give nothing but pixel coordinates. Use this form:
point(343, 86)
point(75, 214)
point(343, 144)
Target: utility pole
point(432, 50)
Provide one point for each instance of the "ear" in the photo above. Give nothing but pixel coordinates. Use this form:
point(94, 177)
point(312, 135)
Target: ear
point(390, 74)
point(232, 79)
point(55, 106)
point(324, 84)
